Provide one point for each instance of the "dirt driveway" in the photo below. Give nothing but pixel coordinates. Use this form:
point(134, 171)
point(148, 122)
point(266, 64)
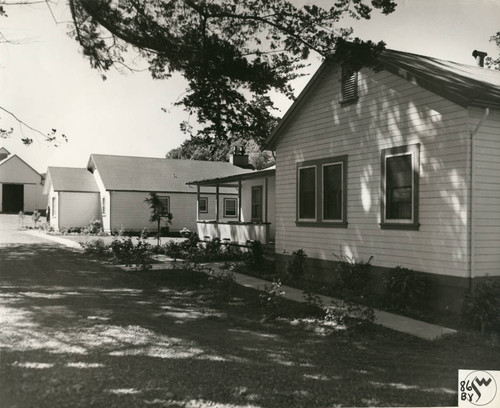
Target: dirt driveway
point(11, 233)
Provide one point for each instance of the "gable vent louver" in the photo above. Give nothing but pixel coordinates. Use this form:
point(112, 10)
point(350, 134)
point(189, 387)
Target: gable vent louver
point(349, 85)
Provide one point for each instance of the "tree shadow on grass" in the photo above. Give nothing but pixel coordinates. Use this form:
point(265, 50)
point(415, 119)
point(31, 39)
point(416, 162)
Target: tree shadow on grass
point(75, 333)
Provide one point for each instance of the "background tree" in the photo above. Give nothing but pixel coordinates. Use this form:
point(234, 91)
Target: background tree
point(233, 53)
point(490, 62)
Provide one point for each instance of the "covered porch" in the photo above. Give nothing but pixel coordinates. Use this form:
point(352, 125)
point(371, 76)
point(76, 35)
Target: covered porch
point(249, 216)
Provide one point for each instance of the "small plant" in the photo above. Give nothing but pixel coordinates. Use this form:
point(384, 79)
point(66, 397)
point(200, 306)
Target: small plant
point(297, 266)
point(271, 295)
point(352, 278)
point(311, 298)
point(159, 213)
point(20, 219)
point(36, 217)
point(481, 307)
point(173, 250)
point(213, 249)
point(406, 290)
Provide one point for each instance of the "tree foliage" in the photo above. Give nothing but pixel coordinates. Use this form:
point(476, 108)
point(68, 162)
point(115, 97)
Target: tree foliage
point(232, 53)
point(494, 63)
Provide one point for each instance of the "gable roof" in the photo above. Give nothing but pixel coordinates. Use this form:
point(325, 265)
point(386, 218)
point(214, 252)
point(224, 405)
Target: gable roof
point(4, 150)
point(15, 156)
point(465, 85)
point(70, 179)
point(129, 173)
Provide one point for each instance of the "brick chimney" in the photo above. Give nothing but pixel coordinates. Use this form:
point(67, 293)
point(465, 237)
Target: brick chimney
point(479, 56)
point(239, 158)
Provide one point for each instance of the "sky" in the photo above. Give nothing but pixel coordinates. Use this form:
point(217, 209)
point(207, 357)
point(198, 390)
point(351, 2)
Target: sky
point(48, 84)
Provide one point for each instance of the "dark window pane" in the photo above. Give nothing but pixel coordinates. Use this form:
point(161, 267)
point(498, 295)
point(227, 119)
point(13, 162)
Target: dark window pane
point(332, 192)
point(257, 203)
point(307, 193)
point(399, 175)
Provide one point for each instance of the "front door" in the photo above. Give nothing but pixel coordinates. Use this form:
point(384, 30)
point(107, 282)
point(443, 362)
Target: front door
point(12, 198)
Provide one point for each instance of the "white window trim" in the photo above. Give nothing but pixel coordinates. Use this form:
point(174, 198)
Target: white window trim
point(199, 206)
point(315, 194)
point(341, 219)
point(168, 202)
point(226, 199)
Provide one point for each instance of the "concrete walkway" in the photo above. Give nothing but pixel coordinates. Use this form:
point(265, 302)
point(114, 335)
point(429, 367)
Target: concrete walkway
point(392, 321)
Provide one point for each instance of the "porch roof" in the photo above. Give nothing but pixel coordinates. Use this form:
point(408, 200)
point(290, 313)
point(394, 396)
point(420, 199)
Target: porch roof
point(227, 180)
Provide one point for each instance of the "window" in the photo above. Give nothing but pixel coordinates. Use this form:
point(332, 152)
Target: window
point(164, 204)
point(230, 208)
point(321, 192)
point(104, 206)
point(307, 193)
point(54, 202)
point(349, 85)
point(257, 203)
point(203, 204)
point(400, 178)
point(332, 192)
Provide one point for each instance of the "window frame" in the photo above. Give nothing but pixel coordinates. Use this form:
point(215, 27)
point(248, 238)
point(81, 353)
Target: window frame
point(103, 206)
point(403, 224)
point(204, 199)
point(304, 167)
point(225, 201)
point(347, 74)
point(167, 198)
point(323, 166)
point(319, 220)
point(54, 204)
point(259, 205)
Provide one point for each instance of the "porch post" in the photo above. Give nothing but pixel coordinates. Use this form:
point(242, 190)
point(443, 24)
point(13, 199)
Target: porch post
point(217, 202)
point(239, 200)
point(198, 202)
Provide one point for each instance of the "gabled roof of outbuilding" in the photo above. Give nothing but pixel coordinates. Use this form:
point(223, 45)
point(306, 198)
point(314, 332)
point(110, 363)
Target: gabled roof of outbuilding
point(465, 85)
point(16, 157)
point(70, 179)
point(129, 173)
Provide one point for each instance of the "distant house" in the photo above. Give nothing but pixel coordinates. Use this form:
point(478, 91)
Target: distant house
point(114, 189)
point(249, 217)
point(402, 164)
point(21, 186)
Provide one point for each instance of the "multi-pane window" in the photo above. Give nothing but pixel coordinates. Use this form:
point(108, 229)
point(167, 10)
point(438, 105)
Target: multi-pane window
point(307, 193)
point(257, 203)
point(203, 204)
point(332, 192)
point(103, 204)
point(230, 207)
point(321, 192)
point(164, 202)
point(400, 176)
point(349, 84)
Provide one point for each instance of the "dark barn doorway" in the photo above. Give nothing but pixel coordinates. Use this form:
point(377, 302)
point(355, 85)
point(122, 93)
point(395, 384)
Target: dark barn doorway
point(12, 198)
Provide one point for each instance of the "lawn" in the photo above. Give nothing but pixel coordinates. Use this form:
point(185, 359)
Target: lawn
point(76, 333)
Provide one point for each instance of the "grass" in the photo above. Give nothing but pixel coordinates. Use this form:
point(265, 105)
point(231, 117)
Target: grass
point(76, 333)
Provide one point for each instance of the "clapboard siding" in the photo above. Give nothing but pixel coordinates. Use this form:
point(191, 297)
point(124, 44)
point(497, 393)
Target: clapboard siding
point(77, 209)
point(486, 193)
point(390, 112)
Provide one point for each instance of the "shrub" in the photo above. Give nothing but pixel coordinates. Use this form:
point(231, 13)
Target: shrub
point(347, 313)
point(406, 290)
point(481, 307)
point(297, 266)
point(94, 228)
point(173, 250)
point(255, 256)
point(192, 239)
point(352, 278)
point(96, 248)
